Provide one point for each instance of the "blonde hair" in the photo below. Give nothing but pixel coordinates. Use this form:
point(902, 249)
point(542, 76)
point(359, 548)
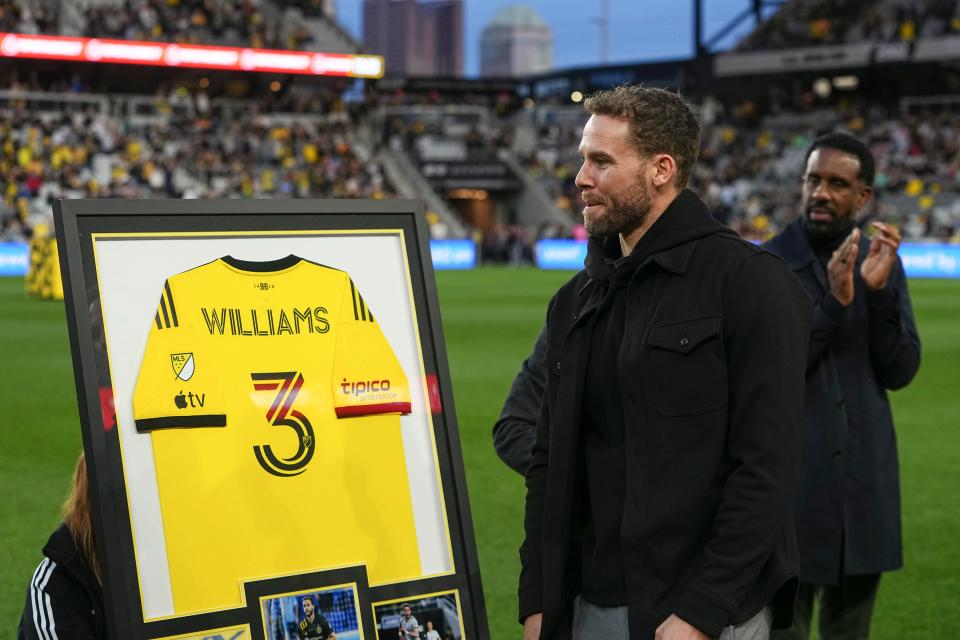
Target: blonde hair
point(76, 515)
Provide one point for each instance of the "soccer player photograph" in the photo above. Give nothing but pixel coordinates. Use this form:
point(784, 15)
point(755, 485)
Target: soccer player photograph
point(409, 627)
point(313, 626)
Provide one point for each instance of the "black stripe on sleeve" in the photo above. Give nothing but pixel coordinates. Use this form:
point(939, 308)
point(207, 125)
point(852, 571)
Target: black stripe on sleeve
point(173, 308)
point(156, 318)
point(363, 309)
point(353, 294)
point(370, 316)
point(163, 309)
point(181, 422)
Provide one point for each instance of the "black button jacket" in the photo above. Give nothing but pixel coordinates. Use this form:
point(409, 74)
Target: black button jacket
point(848, 500)
point(711, 366)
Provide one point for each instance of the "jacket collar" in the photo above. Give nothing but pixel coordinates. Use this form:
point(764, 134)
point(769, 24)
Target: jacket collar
point(795, 250)
point(62, 549)
point(669, 243)
point(675, 259)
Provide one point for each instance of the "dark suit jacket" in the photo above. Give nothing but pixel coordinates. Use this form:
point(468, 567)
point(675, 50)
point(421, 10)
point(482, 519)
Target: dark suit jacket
point(848, 502)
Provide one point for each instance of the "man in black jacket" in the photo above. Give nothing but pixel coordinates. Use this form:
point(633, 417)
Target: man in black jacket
point(667, 448)
point(515, 431)
point(864, 341)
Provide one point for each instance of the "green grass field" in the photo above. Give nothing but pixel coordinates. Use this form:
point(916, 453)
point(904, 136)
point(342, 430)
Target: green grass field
point(491, 317)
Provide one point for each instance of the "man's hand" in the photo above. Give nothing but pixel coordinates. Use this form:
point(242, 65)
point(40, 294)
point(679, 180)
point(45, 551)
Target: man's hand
point(882, 255)
point(674, 628)
point(531, 627)
point(840, 268)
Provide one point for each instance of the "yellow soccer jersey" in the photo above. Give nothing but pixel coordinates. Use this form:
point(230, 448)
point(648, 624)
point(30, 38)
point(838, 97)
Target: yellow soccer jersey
point(272, 399)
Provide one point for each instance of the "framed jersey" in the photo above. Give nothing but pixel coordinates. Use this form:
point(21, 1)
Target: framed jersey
point(264, 397)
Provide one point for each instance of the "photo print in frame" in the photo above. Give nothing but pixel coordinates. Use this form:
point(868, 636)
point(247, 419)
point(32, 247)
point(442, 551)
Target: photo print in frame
point(432, 616)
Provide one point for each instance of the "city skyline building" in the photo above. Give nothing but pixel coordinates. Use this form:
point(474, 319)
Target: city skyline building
point(416, 37)
point(516, 42)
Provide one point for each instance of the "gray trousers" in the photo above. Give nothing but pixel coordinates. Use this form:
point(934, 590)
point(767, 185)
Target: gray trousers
point(844, 610)
point(591, 622)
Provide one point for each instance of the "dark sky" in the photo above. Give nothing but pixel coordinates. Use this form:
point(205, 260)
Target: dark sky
point(640, 30)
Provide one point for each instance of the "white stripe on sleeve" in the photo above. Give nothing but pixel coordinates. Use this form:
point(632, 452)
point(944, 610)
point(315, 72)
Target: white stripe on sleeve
point(42, 612)
point(33, 597)
point(52, 625)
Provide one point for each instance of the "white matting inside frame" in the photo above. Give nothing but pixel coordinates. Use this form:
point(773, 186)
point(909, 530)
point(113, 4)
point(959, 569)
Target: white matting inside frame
point(132, 270)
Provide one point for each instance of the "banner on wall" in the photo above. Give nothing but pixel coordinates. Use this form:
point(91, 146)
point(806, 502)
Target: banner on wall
point(14, 258)
point(453, 254)
point(194, 56)
point(561, 254)
point(920, 260)
point(930, 260)
point(446, 254)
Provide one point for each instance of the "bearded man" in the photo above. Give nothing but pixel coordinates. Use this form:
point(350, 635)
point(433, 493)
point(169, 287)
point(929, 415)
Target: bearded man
point(864, 342)
point(313, 625)
point(667, 450)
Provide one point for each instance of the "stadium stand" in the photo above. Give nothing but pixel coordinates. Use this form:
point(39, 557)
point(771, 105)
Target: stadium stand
point(178, 144)
point(24, 17)
point(800, 24)
point(302, 24)
point(66, 145)
point(229, 22)
point(487, 167)
point(745, 161)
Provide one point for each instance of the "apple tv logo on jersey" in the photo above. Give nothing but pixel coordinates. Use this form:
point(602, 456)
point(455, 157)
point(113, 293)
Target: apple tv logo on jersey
point(191, 399)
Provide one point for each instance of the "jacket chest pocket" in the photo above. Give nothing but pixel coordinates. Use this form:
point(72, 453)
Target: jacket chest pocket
point(688, 366)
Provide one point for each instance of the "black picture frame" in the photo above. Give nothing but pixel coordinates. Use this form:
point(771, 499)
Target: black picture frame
point(442, 608)
point(353, 578)
point(81, 223)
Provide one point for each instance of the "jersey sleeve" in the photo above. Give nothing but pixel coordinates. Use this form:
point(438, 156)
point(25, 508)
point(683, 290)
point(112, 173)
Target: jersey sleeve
point(367, 377)
point(178, 385)
point(58, 606)
point(325, 627)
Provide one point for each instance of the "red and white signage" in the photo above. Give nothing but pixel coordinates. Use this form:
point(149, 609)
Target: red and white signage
point(162, 54)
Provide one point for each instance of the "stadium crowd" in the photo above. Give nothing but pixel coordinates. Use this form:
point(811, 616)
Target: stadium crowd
point(277, 146)
point(746, 159)
point(245, 23)
point(196, 153)
point(816, 22)
point(229, 22)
